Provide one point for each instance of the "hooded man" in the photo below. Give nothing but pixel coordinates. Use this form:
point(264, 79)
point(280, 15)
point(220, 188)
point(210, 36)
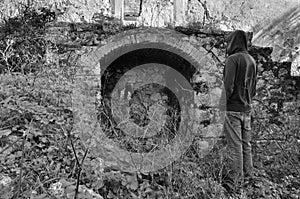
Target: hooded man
point(240, 77)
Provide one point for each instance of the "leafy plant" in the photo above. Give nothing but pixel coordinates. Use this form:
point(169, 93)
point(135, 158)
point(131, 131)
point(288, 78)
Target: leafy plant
point(22, 43)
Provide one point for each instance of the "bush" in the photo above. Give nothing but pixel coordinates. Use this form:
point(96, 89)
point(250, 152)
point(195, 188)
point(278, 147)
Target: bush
point(22, 43)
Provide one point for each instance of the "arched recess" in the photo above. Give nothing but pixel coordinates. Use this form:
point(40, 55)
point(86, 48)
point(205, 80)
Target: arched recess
point(178, 63)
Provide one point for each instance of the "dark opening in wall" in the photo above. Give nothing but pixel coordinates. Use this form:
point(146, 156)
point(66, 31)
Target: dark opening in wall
point(140, 99)
point(142, 56)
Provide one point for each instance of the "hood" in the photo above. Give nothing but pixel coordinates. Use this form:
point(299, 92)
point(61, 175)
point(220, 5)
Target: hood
point(236, 42)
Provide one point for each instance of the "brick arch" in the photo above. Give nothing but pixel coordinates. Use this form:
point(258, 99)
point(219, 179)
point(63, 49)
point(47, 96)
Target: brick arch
point(132, 40)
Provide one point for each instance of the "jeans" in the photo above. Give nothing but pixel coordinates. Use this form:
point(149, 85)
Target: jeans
point(237, 130)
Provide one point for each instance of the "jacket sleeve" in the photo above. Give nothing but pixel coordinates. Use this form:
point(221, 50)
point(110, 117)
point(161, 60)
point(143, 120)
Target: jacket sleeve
point(254, 82)
point(229, 76)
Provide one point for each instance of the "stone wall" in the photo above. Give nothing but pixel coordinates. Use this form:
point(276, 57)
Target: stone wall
point(82, 37)
point(162, 63)
point(138, 57)
point(274, 24)
point(234, 14)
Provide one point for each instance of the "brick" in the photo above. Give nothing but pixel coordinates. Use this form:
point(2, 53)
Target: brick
point(195, 54)
point(188, 48)
point(85, 60)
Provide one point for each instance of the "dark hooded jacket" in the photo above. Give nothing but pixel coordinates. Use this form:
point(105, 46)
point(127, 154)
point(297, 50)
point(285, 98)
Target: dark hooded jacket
point(240, 74)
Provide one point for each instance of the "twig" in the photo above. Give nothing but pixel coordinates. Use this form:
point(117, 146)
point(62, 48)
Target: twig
point(214, 55)
point(41, 185)
point(141, 7)
point(79, 173)
point(74, 151)
point(183, 88)
point(206, 12)
point(10, 145)
point(79, 165)
point(21, 165)
point(110, 122)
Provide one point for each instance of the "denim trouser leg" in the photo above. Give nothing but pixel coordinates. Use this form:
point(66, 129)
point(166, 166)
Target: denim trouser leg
point(247, 149)
point(237, 131)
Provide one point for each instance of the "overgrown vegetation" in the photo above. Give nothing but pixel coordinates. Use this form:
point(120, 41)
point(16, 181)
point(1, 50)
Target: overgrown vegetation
point(41, 158)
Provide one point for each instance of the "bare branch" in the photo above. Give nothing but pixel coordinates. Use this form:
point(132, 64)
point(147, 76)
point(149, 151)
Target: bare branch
point(21, 167)
point(79, 174)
